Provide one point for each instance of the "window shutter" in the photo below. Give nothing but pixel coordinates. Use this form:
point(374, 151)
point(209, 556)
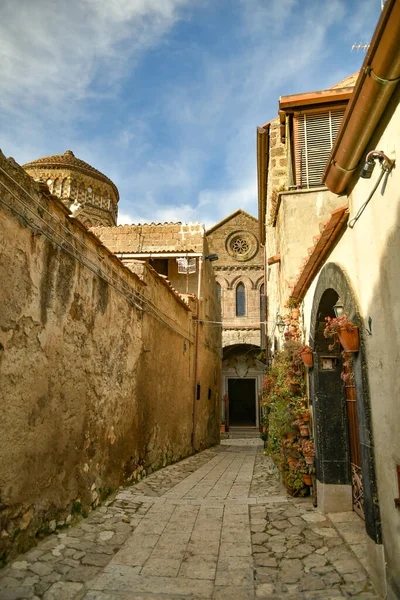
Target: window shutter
point(314, 135)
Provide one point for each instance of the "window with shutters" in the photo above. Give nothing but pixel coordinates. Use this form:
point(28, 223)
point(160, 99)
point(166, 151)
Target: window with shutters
point(240, 301)
point(314, 135)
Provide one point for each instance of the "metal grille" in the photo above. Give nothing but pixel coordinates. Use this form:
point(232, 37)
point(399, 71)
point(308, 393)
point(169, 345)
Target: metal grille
point(314, 134)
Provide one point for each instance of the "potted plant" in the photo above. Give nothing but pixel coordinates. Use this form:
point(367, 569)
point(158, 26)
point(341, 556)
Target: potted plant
point(303, 427)
point(222, 426)
point(305, 352)
point(344, 330)
point(293, 305)
point(294, 482)
point(309, 451)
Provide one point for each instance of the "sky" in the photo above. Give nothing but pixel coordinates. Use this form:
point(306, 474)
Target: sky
point(164, 96)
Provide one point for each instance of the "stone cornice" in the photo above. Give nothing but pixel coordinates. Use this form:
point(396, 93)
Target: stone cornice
point(240, 267)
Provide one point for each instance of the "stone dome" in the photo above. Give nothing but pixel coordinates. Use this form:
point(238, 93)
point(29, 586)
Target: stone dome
point(90, 194)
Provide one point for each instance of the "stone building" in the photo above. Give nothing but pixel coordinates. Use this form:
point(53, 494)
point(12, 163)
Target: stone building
point(106, 370)
point(332, 246)
point(239, 275)
point(91, 196)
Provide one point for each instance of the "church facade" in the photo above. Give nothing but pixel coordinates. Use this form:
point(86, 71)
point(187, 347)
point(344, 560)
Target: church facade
point(239, 275)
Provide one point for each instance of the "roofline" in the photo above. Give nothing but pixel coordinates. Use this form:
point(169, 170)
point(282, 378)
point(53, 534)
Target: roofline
point(161, 254)
point(228, 218)
point(369, 100)
point(330, 232)
point(319, 97)
point(92, 172)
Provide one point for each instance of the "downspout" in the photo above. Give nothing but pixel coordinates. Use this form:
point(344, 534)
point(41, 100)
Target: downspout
point(196, 354)
point(376, 83)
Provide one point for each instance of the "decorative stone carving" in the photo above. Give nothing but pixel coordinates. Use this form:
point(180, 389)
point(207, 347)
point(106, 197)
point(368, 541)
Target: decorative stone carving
point(241, 245)
point(91, 196)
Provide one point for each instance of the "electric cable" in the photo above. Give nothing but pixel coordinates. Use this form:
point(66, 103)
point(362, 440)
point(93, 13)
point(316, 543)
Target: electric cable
point(130, 296)
point(360, 211)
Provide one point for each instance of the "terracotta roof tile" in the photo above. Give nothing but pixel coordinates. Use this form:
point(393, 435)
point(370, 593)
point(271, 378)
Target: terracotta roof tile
point(330, 230)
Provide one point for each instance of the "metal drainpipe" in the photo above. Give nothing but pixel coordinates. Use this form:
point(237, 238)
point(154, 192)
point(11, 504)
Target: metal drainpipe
point(196, 352)
point(265, 316)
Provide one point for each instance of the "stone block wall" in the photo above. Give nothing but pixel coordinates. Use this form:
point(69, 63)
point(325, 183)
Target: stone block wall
point(160, 237)
point(97, 367)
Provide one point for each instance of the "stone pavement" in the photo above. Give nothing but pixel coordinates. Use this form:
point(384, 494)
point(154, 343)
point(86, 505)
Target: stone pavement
point(217, 526)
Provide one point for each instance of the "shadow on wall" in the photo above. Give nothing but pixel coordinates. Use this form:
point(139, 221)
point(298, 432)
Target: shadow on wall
point(383, 352)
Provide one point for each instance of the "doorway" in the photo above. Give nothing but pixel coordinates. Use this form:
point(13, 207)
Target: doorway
point(242, 402)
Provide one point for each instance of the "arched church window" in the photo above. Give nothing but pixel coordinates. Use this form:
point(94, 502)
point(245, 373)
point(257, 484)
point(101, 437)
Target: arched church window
point(219, 292)
point(240, 300)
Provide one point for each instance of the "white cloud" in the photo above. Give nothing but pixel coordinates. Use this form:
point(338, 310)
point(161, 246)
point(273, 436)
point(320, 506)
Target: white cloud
point(56, 53)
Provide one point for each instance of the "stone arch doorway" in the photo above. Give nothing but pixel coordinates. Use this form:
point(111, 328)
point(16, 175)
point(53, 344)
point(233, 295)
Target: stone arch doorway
point(242, 375)
point(343, 431)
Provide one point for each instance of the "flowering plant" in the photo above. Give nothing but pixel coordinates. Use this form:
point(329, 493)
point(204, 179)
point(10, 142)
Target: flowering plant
point(308, 448)
point(333, 326)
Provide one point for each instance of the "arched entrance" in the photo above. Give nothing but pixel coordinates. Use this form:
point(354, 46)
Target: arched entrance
point(242, 374)
point(345, 459)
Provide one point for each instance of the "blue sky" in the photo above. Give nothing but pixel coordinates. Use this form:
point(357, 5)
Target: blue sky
point(164, 96)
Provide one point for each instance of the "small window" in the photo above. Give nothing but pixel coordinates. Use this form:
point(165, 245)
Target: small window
point(314, 135)
point(240, 300)
point(219, 292)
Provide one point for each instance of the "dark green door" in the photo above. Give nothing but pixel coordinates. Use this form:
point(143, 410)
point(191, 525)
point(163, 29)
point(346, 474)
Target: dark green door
point(242, 402)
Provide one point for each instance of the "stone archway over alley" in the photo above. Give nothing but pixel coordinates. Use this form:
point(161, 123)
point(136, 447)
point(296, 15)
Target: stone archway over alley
point(217, 525)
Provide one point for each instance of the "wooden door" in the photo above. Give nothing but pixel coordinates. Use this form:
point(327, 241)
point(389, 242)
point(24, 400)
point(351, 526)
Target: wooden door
point(355, 455)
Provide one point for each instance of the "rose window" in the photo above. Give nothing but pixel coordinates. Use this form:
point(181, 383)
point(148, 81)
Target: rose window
point(240, 246)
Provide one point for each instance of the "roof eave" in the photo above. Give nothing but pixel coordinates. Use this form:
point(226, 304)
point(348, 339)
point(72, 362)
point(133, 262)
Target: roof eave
point(369, 100)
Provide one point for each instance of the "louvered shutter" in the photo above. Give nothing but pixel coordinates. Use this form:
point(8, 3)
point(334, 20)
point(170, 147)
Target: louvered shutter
point(314, 134)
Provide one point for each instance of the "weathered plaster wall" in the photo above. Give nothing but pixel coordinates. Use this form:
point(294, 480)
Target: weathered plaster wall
point(96, 367)
point(297, 223)
point(369, 255)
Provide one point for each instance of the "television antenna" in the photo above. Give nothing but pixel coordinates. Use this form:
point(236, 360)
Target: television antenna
point(360, 47)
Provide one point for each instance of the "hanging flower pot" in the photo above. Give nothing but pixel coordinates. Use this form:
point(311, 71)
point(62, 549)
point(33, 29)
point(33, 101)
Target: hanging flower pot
point(307, 358)
point(309, 459)
point(349, 339)
point(291, 461)
point(304, 431)
point(307, 478)
point(306, 416)
point(295, 313)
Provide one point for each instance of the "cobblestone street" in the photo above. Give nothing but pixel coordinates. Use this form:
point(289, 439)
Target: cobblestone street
point(217, 525)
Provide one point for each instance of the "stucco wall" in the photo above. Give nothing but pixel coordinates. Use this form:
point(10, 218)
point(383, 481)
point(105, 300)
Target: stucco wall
point(298, 219)
point(97, 370)
point(369, 256)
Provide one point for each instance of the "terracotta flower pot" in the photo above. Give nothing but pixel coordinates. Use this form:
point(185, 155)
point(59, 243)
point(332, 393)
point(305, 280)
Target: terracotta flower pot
point(304, 431)
point(306, 416)
point(295, 313)
point(309, 459)
point(291, 461)
point(307, 359)
point(222, 428)
point(307, 478)
point(349, 340)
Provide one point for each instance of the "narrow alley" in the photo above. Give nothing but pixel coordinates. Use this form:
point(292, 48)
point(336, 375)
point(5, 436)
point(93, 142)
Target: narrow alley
point(217, 525)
